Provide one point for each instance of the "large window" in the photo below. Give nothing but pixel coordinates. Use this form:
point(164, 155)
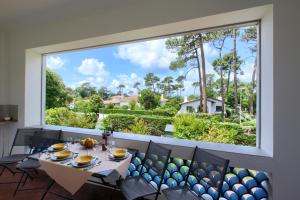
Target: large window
point(200, 85)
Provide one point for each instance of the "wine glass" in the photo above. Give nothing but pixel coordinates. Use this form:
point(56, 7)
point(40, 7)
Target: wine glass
point(69, 141)
point(111, 146)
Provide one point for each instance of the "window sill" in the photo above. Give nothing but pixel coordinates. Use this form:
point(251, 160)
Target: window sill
point(226, 148)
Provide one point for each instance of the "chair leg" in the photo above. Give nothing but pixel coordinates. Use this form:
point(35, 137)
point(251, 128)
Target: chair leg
point(10, 170)
point(47, 190)
point(20, 181)
point(25, 179)
point(3, 168)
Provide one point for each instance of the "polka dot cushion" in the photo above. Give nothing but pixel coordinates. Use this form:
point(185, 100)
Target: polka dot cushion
point(239, 183)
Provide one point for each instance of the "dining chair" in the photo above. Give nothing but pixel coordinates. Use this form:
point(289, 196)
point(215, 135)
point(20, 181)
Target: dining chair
point(41, 140)
point(23, 138)
point(156, 159)
point(208, 169)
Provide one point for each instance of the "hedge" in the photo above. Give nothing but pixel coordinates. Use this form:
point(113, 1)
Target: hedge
point(65, 117)
point(165, 112)
point(123, 122)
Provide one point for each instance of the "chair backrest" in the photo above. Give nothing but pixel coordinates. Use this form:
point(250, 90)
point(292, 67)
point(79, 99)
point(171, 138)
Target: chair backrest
point(23, 137)
point(43, 139)
point(209, 169)
point(156, 159)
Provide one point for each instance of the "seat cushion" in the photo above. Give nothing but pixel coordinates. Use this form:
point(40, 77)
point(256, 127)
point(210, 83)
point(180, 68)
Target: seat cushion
point(13, 158)
point(178, 193)
point(135, 187)
point(28, 164)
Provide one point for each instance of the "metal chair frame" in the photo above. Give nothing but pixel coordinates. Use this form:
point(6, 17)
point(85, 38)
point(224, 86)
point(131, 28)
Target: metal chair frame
point(226, 163)
point(6, 166)
point(161, 175)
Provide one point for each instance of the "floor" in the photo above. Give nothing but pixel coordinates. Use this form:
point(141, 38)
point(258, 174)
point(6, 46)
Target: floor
point(87, 192)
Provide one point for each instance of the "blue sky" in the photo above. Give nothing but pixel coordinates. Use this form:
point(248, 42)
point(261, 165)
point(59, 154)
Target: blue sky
point(128, 63)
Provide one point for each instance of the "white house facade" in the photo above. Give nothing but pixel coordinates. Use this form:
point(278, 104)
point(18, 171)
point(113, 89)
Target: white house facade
point(214, 106)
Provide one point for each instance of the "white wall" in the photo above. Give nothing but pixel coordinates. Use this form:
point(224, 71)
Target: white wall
point(286, 163)
point(286, 93)
point(3, 68)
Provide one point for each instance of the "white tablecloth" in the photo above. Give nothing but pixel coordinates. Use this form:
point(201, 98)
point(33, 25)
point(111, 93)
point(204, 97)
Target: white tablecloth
point(72, 178)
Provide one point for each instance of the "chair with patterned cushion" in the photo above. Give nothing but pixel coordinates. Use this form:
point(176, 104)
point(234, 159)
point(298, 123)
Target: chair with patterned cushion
point(208, 169)
point(23, 138)
point(41, 140)
point(156, 159)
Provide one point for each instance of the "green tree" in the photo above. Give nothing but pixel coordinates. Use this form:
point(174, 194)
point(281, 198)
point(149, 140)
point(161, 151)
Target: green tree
point(104, 93)
point(218, 39)
point(167, 84)
point(211, 86)
point(85, 90)
point(250, 37)
point(187, 49)
point(83, 106)
point(137, 87)
point(121, 88)
point(151, 81)
point(195, 85)
point(97, 103)
point(148, 99)
point(56, 92)
point(180, 84)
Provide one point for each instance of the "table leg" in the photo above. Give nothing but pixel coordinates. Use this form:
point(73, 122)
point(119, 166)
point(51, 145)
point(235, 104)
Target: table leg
point(48, 188)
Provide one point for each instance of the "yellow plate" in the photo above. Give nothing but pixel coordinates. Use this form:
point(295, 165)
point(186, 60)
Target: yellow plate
point(119, 153)
point(58, 146)
point(62, 154)
point(83, 160)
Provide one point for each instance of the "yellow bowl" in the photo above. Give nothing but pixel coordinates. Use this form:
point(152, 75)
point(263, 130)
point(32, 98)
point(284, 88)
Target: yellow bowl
point(119, 153)
point(83, 160)
point(58, 146)
point(62, 154)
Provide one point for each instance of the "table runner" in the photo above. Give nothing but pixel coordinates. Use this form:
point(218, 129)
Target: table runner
point(72, 178)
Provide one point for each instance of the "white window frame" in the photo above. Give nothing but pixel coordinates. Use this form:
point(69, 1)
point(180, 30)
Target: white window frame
point(242, 156)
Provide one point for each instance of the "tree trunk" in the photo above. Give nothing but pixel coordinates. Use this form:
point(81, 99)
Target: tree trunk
point(252, 87)
point(235, 72)
point(228, 81)
point(222, 93)
point(203, 74)
point(199, 76)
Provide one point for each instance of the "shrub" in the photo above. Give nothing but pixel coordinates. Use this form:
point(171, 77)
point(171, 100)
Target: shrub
point(124, 107)
point(124, 122)
point(188, 126)
point(110, 106)
point(159, 112)
point(65, 117)
point(148, 99)
point(140, 127)
point(210, 129)
point(219, 135)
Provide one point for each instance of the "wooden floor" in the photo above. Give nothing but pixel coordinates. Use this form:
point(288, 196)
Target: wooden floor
point(87, 192)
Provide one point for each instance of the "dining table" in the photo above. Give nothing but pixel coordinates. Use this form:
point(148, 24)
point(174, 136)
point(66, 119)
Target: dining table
point(72, 177)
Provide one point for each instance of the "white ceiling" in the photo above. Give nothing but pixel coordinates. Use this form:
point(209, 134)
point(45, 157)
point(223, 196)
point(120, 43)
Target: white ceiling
point(20, 12)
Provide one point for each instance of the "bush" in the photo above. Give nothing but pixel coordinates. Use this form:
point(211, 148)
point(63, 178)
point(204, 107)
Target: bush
point(210, 129)
point(219, 135)
point(123, 122)
point(188, 126)
point(65, 117)
point(159, 112)
point(140, 127)
point(110, 106)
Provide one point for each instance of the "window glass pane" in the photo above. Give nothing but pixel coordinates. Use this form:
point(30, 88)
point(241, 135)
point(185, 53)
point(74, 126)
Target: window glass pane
point(199, 86)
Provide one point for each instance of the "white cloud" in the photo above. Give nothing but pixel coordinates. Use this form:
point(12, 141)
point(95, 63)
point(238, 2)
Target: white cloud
point(54, 62)
point(247, 72)
point(127, 80)
point(92, 66)
point(96, 71)
point(149, 54)
point(209, 51)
